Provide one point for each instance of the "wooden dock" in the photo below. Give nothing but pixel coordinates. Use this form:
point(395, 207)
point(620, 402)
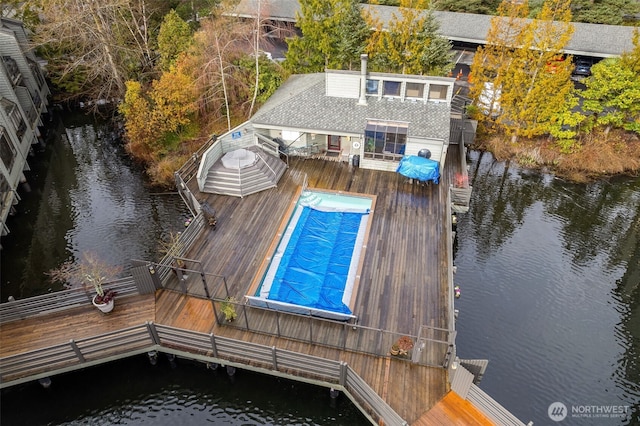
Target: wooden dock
point(403, 287)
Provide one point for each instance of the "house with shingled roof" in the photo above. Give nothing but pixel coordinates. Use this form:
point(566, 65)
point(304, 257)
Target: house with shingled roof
point(371, 120)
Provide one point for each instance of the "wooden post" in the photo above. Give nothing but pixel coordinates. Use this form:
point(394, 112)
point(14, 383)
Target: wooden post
point(274, 357)
point(76, 349)
point(153, 333)
point(343, 374)
point(214, 348)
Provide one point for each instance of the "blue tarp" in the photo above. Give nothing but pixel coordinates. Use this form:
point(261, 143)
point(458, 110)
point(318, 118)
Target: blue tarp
point(420, 168)
point(314, 268)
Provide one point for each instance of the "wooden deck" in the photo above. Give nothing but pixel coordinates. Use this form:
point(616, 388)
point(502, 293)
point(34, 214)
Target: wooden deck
point(404, 279)
point(403, 284)
point(452, 410)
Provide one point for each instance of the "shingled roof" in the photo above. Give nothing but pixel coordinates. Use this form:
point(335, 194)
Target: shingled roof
point(596, 40)
point(301, 103)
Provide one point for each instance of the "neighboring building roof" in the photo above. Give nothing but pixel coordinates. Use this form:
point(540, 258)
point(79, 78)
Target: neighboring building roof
point(280, 10)
point(596, 40)
point(301, 103)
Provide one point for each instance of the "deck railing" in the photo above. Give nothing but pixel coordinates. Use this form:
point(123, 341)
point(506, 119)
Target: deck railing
point(190, 169)
point(82, 353)
point(60, 300)
point(212, 154)
point(266, 164)
point(430, 349)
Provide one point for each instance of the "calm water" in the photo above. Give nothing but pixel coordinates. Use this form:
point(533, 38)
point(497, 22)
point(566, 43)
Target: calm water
point(87, 196)
point(550, 274)
point(133, 392)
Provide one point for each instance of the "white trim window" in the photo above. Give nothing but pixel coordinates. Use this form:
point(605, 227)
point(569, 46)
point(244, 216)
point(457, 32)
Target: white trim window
point(385, 140)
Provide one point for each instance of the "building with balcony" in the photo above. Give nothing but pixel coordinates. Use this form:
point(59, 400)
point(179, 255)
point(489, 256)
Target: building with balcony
point(23, 100)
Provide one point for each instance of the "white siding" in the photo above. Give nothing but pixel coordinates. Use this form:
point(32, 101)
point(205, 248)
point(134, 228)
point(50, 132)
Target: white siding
point(388, 166)
point(343, 85)
point(436, 147)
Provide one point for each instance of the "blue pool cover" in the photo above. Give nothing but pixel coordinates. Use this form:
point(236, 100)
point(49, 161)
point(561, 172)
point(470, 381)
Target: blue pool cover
point(315, 265)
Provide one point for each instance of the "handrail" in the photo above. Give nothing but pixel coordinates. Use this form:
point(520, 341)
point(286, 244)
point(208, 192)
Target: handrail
point(59, 300)
point(263, 141)
point(333, 333)
point(267, 164)
point(186, 172)
point(81, 353)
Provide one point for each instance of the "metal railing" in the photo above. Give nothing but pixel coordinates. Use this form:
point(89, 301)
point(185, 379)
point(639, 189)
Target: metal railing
point(190, 169)
point(81, 353)
point(271, 147)
point(60, 300)
point(266, 164)
point(432, 348)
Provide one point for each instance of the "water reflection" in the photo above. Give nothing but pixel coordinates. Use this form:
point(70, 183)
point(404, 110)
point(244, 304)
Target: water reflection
point(133, 392)
point(87, 197)
point(549, 272)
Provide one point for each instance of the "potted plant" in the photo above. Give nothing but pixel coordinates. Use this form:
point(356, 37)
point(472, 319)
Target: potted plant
point(402, 346)
point(395, 349)
point(90, 271)
point(229, 308)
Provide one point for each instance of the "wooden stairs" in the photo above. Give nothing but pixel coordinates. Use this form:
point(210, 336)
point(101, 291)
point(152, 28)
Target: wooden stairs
point(264, 174)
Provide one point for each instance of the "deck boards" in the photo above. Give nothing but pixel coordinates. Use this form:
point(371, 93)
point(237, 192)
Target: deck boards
point(403, 282)
point(77, 323)
point(455, 411)
point(403, 285)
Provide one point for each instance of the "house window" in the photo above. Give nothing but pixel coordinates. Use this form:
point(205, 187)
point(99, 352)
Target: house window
point(392, 88)
point(438, 92)
point(7, 151)
point(372, 87)
point(385, 140)
point(415, 90)
point(14, 115)
point(288, 135)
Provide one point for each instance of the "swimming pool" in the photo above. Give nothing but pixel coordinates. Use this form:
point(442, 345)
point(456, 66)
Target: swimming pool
point(315, 267)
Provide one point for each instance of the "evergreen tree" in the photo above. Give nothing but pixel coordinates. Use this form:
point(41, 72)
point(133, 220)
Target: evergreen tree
point(351, 33)
point(410, 44)
point(332, 31)
point(174, 38)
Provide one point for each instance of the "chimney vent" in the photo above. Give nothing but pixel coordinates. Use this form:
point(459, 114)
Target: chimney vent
point(363, 79)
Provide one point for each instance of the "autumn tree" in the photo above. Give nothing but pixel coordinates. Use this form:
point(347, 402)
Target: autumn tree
point(174, 38)
point(536, 88)
point(631, 59)
point(492, 61)
point(153, 116)
point(334, 35)
point(24, 11)
point(219, 44)
point(410, 43)
point(106, 43)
